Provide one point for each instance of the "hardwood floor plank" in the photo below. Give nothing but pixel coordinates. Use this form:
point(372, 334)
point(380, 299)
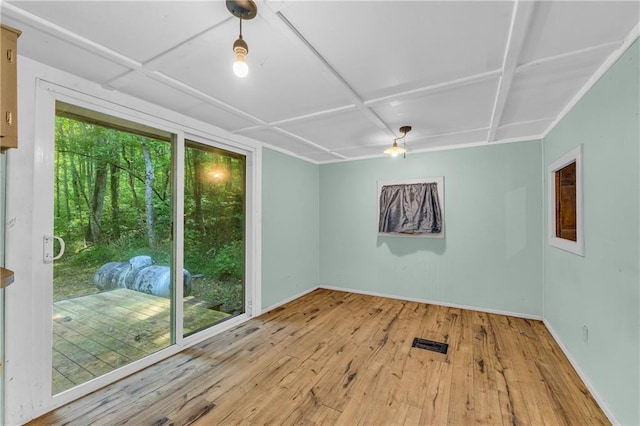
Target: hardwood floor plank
point(509, 368)
point(230, 410)
point(487, 406)
point(386, 387)
point(462, 401)
point(333, 357)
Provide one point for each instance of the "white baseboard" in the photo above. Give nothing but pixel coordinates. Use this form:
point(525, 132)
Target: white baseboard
point(436, 302)
point(594, 391)
point(287, 300)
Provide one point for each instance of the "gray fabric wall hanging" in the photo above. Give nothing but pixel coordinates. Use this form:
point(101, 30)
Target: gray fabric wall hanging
point(410, 209)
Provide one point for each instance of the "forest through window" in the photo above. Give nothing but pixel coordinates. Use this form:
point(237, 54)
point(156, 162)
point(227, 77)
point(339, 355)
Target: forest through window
point(113, 201)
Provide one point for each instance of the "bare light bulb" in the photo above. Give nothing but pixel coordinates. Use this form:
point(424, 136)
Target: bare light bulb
point(240, 48)
point(240, 67)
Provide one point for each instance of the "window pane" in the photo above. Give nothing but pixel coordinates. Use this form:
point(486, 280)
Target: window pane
point(112, 287)
point(214, 236)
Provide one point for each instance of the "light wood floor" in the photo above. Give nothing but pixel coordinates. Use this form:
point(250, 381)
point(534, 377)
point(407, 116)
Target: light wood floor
point(340, 358)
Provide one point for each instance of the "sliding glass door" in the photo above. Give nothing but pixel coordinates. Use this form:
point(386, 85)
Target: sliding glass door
point(114, 244)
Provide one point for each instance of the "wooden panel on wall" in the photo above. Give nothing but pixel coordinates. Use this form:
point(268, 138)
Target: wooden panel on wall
point(566, 202)
point(8, 88)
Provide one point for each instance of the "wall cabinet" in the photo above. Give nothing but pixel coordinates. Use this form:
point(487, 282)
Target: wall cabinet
point(8, 88)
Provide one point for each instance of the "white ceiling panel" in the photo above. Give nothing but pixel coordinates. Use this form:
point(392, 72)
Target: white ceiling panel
point(543, 90)
point(282, 83)
point(459, 108)
point(563, 26)
point(279, 140)
point(362, 151)
point(320, 157)
point(404, 42)
point(451, 139)
point(120, 25)
point(217, 116)
point(341, 75)
point(52, 51)
point(532, 129)
point(144, 87)
point(348, 129)
point(413, 145)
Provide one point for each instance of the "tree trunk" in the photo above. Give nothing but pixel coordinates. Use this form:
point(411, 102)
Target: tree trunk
point(97, 202)
point(78, 190)
point(229, 173)
point(197, 190)
point(115, 194)
point(149, 178)
point(132, 184)
point(67, 195)
point(63, 161)
point(57, 180)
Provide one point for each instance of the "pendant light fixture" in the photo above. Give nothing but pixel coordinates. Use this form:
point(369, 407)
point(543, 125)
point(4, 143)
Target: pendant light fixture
point(394, 150)
point(243, 9)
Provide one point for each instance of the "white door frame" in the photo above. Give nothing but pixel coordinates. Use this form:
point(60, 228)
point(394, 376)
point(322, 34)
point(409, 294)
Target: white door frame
point(41, 338)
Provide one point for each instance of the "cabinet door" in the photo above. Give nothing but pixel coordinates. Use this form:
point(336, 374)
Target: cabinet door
point(9, 89)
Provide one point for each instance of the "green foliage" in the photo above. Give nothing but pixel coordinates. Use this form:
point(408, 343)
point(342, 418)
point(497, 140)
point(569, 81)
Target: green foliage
point(100, 211)
point(229, 294)
point(228, 263)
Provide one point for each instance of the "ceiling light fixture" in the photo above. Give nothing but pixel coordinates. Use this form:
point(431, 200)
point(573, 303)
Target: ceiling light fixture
point(394, 150)
point(243, 9)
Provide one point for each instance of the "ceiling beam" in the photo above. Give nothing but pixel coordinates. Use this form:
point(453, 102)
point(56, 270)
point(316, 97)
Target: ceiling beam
point(314, 115)
point(308, 142)
point(523, 12)
point(446, 85)
point(591, 50)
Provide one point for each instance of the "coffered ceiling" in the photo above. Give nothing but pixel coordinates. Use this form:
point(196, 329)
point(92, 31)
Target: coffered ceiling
point(334, 80)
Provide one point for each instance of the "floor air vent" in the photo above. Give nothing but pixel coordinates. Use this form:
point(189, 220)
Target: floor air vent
point(430, 345)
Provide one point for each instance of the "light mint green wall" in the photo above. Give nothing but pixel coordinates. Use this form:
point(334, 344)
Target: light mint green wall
point(290, 246)
point(491, 256)
point(602, 289)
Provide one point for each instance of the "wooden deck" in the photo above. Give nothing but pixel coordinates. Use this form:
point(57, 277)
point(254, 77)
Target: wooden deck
point(98, 333)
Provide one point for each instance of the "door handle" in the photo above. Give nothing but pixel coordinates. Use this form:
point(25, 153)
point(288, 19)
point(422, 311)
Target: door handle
point(47, 245)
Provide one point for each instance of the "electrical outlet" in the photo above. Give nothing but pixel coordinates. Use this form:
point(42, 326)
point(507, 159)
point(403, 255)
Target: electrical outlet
point(585, 334)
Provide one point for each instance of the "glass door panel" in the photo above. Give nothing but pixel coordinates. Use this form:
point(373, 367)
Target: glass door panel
point(112, 289)
point(214, 236)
